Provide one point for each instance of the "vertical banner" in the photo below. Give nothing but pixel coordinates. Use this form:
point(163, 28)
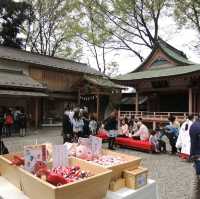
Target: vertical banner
point(60, 155)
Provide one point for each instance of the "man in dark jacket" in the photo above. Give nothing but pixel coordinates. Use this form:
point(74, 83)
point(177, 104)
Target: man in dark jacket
point(67, 129)
point(195, 144)
point(111, 126)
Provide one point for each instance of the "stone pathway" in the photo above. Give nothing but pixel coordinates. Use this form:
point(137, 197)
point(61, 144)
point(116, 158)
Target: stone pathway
point(175, 178)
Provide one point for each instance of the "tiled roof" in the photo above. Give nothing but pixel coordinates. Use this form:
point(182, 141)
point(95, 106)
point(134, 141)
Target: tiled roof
point(18, 79)
point(178, 56)
point(164, 72)
point(174, 53)
point(103, 82)
point(48, 61)
point(22, 93)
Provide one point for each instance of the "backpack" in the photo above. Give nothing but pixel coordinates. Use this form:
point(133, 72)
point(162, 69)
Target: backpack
point(9, 120)
point(3, 148)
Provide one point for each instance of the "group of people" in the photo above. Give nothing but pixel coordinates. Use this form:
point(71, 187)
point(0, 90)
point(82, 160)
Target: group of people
point(134, 128)
point(78, 123)
point(12, 121)
point(184, 138)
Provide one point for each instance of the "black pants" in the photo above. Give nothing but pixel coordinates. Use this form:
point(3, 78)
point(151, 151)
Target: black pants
point(111, 142)
point(162, 145)
point(67, 137)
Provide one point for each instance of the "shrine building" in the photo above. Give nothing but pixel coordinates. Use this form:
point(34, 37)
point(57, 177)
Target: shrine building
point(169, 81)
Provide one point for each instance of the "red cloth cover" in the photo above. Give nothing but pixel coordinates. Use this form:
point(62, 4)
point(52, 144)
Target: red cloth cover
point(136, 144)
point(103, 135)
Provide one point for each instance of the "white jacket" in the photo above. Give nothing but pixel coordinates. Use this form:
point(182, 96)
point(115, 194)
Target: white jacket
point(183, 140)
point(143, 132)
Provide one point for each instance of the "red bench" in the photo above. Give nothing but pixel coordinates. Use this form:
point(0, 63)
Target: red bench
point(135, 144)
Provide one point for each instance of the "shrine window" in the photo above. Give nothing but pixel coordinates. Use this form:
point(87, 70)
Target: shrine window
point(159, 62)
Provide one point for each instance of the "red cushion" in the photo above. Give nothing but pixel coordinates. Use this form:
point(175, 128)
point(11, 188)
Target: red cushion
point(138, 144)
point(103, 135)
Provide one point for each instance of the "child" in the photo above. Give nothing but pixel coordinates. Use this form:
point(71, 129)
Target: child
point(153, 139)
point(159, 145)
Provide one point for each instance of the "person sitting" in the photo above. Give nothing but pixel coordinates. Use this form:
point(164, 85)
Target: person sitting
point(132, 125)
point(153, 139)
point(143, 131)
point(159, 145)
point(124, 129)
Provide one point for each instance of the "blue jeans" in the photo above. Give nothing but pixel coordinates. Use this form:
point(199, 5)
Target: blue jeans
point(197, 166)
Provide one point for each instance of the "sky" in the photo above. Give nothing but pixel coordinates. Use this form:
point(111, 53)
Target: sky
point(182, 39)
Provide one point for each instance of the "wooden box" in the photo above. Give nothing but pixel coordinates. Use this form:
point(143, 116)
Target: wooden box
point(10, 172)
point(94, 187)
point(136, 178)
point(131, 163)
point(117, 184)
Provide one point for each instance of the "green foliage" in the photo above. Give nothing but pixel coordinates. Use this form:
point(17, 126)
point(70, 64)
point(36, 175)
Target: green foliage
point(188, 13)
point(13, 15)
point(55, 28)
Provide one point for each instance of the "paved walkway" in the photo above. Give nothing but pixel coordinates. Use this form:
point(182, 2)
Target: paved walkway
point(175, 178)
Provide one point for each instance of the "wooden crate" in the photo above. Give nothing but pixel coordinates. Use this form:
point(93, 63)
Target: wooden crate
point(117, 184)
point(131, 163)
point(136, 178)
point(10, 172)
point(94, 187)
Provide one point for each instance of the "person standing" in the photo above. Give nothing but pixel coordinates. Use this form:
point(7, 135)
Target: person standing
point(183, 141)
point(172, 132)
point(195, 145)
point(9, 121)
point(93, 125)
point(16, 117)
point(86, 121)
point(111, 127)
point(67, 129)
point(22, 121)
point(78, 124)
point(1, 122)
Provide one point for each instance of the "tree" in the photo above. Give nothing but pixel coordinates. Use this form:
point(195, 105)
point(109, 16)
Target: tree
point(13, 16)
point(188, 13)
point(96, 38)
point(53, 31)
point(130, 24)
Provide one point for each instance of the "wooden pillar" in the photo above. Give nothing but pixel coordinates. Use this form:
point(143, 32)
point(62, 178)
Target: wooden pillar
point(79, 97)
point(36, 112)
point(136, 102)
point(190, 101)
point(154, 125)
point(194, 102)
point(98, 106)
